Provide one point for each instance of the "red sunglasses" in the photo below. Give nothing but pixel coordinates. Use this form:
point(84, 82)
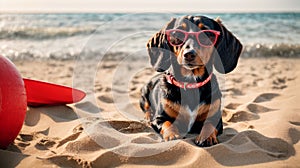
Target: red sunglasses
point(205, 38)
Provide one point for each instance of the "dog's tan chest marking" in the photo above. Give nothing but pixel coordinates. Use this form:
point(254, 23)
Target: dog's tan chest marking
point(200, 113)
point(199, 71)
point(171, 108)
point(208, 110)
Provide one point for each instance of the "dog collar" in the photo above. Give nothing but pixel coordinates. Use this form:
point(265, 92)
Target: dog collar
point(186, 85)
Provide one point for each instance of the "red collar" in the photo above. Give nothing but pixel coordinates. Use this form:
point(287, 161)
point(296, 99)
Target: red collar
point(185, 85)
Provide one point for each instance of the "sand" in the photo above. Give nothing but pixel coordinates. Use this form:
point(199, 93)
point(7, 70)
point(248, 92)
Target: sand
point(260, 114)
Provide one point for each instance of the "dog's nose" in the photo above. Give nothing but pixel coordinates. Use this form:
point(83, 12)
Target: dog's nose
point(189, 55)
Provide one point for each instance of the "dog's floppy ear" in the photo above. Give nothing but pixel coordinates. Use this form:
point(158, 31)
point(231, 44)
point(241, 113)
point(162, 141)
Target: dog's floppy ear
point(229, 49)
point(159, 49)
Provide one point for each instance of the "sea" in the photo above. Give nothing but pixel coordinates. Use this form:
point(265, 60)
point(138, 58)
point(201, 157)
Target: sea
point(67, 36)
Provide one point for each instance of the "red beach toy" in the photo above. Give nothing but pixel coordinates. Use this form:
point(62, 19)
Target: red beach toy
point(42, 93)
point(13, 102)
point(16, 93)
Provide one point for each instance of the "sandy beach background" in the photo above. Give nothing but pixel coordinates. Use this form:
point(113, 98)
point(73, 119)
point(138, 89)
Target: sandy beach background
point(94, 53)
point(261, 116)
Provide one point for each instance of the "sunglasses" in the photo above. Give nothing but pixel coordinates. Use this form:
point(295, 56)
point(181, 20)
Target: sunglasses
point(205, 38)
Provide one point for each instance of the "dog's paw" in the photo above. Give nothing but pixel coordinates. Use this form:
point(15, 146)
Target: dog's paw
point(169, 132)
point(206, 143)
point(170, 135)
point(207, 137)
point(147, 119)
point(147, 116)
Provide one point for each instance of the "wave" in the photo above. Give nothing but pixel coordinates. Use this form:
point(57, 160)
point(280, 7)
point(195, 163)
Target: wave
point(254, 50)
point(63, 55)
point(271, 50)
point(32, 33)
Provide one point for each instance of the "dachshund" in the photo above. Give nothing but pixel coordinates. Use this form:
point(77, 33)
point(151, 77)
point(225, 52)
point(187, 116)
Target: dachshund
point(185, 96)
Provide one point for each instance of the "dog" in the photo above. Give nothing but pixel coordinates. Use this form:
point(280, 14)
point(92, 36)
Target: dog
point(185, 96)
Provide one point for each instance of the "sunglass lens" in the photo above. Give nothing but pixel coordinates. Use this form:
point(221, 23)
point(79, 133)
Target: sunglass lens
point(176, 37)
point(207, 38)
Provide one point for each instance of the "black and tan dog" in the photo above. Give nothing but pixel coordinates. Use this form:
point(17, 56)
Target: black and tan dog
point(186, 98)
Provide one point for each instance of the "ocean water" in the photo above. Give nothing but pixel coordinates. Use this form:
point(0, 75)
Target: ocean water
point(67, 36)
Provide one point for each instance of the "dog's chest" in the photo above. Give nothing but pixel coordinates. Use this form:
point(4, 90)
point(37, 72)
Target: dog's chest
point(190, 115)
point(188, 104)
point(185, 115)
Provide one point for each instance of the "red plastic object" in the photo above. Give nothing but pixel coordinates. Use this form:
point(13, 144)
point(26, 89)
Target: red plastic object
point(42, 93)
point(13, 104)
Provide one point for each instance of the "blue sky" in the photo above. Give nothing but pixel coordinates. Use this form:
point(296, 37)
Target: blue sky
point(149, 5)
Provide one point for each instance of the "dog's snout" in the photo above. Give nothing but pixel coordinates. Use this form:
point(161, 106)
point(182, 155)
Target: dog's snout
point(190, 55)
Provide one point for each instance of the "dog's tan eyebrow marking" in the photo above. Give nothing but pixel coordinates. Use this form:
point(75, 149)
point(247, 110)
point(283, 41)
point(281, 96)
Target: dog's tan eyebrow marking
point(202, 26)
point(183, 26)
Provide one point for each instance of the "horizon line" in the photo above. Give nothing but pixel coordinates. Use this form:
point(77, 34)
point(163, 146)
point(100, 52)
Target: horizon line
point(131, 11)
point(82, 12)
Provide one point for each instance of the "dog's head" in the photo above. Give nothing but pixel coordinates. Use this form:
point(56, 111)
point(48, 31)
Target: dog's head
point(196, 43)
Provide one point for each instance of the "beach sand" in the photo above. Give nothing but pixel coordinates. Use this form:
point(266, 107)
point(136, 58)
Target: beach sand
point(261, 120)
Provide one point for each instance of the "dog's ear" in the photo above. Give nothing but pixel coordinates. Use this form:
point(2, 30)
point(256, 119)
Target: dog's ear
point(159, 49)
point(229, 49)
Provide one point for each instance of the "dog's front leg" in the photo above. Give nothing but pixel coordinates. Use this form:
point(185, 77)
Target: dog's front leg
point(211, 117)
point(207, 136)
point(169, 131)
